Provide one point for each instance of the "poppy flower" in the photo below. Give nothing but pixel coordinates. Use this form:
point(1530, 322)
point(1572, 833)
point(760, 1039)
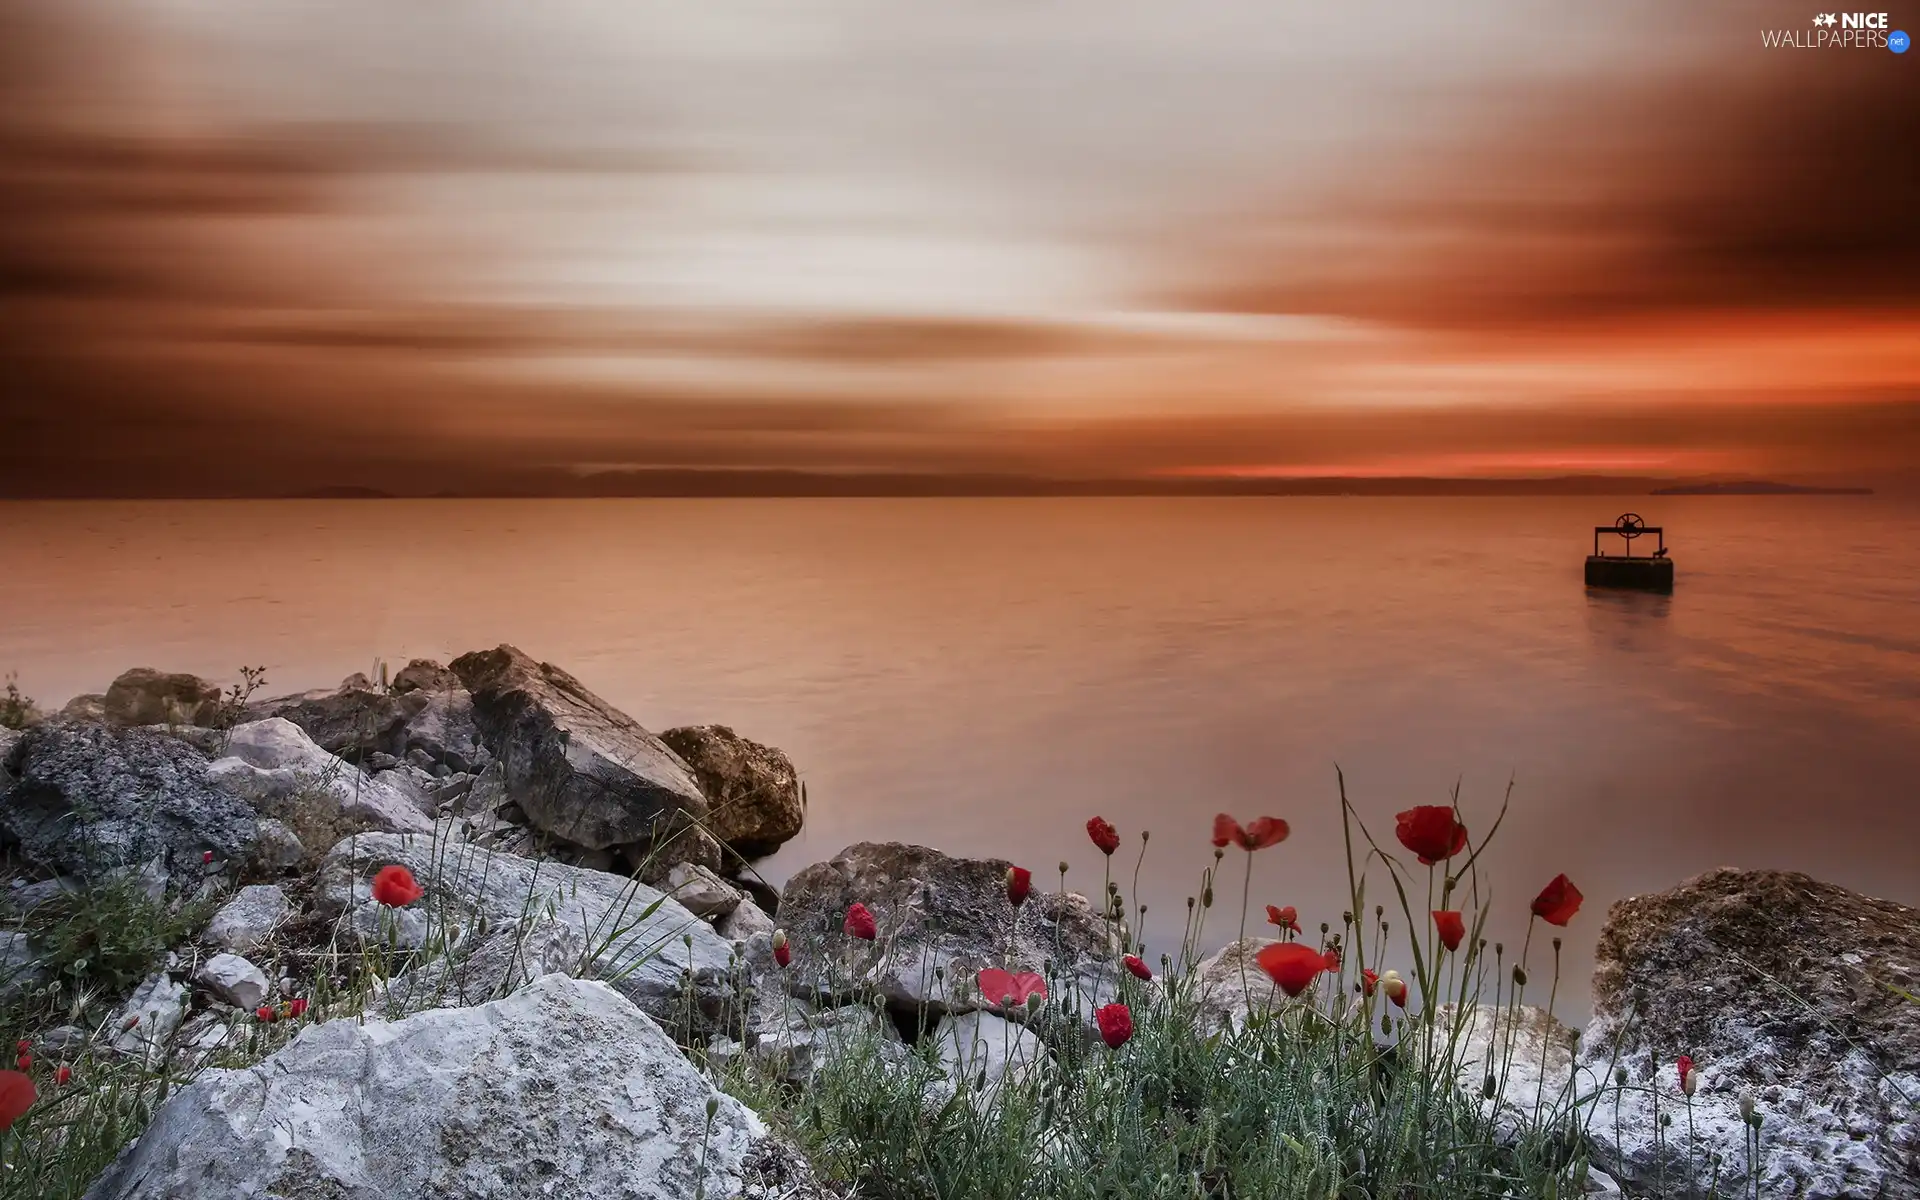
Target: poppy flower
point(1368, 979)
point(1006, 988)
point(1104, 835)
point(1258, 834)
point(1019, 883)
point(130, 1022)
point(781, 954)
point(1558, 901)
point(1293, 966)
point(64, 1075)
point(24, 1062)
point(266, 1014)
point(395, 888)
point(1116, 1025)
point(1395, 988)
point(206, 856)
point(1451, 926)
point(22, 1046)
point(1137, 966)
point(1286, 918)
point(16, 1097)
point(859, 923)
point(1431, 831)
point(1685, 1066)
point(297, 1008)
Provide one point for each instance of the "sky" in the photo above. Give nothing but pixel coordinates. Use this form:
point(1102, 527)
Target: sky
point(252, 248)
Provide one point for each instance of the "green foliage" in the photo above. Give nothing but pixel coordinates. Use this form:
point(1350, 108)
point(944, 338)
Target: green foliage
point(110, 936)
point(17, 711)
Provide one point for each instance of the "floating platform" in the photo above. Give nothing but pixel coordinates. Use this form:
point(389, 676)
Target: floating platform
point(1638, 572)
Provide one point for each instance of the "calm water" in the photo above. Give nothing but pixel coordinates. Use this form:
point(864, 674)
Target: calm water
point(982, 675)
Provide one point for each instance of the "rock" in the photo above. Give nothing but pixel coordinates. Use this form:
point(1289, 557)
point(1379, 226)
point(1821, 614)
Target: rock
point(758, 890)
point(92, 800)
point(980, 1050)
point(144, 696)
point(1775, 985)
point(210, 742)
point(31, 896)
point(20, 967)
point(700, 891)
point(425, 675)
point(245, 922)
point(562, 1089)
point(941, 921)
point(1230, 984)
point(91, 707)
point(797, 1048)
point(234, 980)
point(64, 1037)
point(145, 1025)
point(744, 922)
point(357, 721)
point(1528, 1053)
point(275, 766)
point(580, 769)
point(443, 732)
point(752, 791)
point(640, 952)
point(204, 1035)
point(494, 967)
point(9, 738)
point(278, 850)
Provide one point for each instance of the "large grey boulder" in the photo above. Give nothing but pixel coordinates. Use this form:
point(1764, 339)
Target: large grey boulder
point(634, 937)
point(245, 922)
point(20, 967)
point(1524, 1050)
point(144, 696)
point(286, 775)
point(425, 675)
point(752, 791)
point(562, 1089)
point(443, 732)
point(941, 920)
point(1229, 985)
point(355, 721)
point(1776, 985)
point(91, 800)
point(579, 768)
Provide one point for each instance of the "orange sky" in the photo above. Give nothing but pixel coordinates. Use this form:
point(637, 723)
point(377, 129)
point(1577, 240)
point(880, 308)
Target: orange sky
point(271, 247)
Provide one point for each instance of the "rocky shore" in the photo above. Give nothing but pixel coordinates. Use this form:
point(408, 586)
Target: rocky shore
point(589, 938)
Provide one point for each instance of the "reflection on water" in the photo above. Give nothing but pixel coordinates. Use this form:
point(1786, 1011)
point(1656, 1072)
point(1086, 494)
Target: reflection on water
point(985, 675)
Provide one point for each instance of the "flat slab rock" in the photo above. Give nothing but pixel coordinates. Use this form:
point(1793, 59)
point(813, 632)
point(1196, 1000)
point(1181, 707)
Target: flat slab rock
point(563, 1089)
point(1776, 985)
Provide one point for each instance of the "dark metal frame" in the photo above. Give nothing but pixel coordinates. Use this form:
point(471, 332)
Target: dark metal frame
point(1628, 526)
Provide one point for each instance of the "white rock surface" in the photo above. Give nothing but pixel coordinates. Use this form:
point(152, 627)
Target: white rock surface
point(1514, 1048)
point(160, 1005)
point(630, 943)
point(700, 891)
point(249, 919)
point(19, 965)
point(561, 1090)
point(234, 980)
point(978, 1044)
point(271, 761)
point(744, 922)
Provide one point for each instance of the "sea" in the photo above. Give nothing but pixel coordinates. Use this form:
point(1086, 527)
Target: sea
point(984, 675)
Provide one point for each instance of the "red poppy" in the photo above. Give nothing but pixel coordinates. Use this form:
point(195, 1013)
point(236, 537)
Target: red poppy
point(395, 888)
point(22, 1046)
point(1686, 1067)
point(1104, 835)
point(1019, 883)
point(1137, 966)
point(1006, 988)
point(206, 856)
point(63, 1075)
point(1258, 834)
point(781, 954)
point(1292, 966)
point(1395, 988)
point(24, 1062)
point(1431, 832)
point(266, 1014)
point(1367, 979)
point(16, 1097)
point(130, 1022)
point(297, 1008)
point(1451, 926)
point(1558, 901)
point(859, 923)
point(1116, 1025)
point(1286, 918)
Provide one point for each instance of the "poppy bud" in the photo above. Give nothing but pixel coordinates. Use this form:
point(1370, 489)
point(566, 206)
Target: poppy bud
point(1556, 944)
point(1519, 975)
point(1620, 1076)
point(980, 1081)
point(1035, 1001)
point(1019, 882)
point(63, 1075)
point(1690, 1082)
point(1488, 1087)
point(206, 856)
point(781, 954)
point(1746, 1107)
point(1189, 903)
point(713, 1106)
point(1063, 866)
point(1206, 898)
point(130, 1022)
point(1666, 1120)
point(1143, 835)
